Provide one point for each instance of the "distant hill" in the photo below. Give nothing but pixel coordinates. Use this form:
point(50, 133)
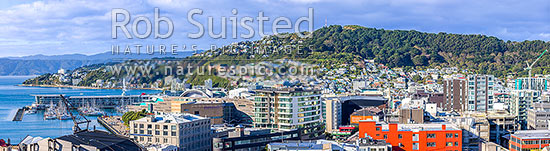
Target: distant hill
point(397, 48)
point(336, 45)
point(41, 64)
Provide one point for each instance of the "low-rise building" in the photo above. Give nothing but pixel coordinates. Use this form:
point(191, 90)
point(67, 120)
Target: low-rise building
point(413, 136)
point(529, 140)
point(538, 116)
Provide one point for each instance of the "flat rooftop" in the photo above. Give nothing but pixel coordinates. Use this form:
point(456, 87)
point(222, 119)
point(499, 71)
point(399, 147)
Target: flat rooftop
point(532, 134)
point(172, 118)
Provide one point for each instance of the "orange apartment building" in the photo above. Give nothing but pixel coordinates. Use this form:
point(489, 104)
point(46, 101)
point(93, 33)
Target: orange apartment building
point(412, 137)
point(529, 140)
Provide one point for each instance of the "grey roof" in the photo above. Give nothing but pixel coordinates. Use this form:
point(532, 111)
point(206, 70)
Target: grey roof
point(102, 141)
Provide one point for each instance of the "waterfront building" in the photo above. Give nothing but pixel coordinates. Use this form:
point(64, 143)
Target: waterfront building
point(411, 137)
point(522, 100)
point(186, 131)
point(106, 101)
point(529, 140)
point(288, 109)
point(480, 92)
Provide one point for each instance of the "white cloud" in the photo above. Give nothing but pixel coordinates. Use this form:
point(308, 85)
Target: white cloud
point(62, 26)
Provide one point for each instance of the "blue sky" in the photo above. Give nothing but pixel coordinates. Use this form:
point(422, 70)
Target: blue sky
point(74, 26)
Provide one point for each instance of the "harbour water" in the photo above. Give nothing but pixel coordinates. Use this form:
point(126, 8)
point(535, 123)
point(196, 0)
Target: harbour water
point(13, 97)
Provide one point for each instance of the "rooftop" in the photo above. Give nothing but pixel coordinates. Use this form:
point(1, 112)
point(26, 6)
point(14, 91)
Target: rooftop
point(171, 118)
point(532, 134)
point(101, 140)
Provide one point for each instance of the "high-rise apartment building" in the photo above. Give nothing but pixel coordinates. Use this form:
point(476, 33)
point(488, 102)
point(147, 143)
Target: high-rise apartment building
point(455, 92)
point(287, 109)
point(522, 100)
point(480, 92)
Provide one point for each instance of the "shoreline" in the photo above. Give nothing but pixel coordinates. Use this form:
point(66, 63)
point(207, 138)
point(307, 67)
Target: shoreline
point(79, 87)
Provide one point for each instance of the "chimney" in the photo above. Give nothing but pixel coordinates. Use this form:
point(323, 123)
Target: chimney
point(443, 127)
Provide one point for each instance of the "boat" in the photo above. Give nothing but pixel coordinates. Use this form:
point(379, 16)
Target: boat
point(91, 110)
point(31, 110)
point(50, 114)
point(62, 113)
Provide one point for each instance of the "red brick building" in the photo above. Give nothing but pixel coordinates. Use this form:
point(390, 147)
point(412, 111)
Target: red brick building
point(529, 140)
point(411, 137)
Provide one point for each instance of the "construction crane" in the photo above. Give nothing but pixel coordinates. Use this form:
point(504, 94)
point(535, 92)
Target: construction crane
point(530, 67)
point(76, 127)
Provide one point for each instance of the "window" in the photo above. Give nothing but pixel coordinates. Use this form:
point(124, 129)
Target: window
point(400, 136)
point(415, 146)
point(431, 135)
point(173, 133)
point(196, 112)
point(149, 126)
point(378, 129)
point(415, 137)
point(430, 144)
point(385, 136)
point(165, 126)
point(456, 143)
point(449, 143)
point(456, 135)
point(449, 135)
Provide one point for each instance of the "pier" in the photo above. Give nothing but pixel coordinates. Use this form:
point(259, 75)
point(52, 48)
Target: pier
point(19, 115)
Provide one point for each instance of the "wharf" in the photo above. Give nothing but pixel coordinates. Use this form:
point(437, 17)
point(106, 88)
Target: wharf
point(113, 124)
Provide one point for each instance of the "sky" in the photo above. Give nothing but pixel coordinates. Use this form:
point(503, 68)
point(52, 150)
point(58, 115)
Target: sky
point(52, 27)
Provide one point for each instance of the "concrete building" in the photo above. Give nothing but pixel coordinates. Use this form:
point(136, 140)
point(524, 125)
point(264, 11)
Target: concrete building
point(455, 93)
point(538, 116)
point(413, 136)
point(186, 131)
point(367, 144)
point(288, 109)
point(218, 110)
point(529, 140)
point(480, 92)
point(522, 100)
point(250, 139)
point(319, 145)
point(411, 116)
point(480, 126)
